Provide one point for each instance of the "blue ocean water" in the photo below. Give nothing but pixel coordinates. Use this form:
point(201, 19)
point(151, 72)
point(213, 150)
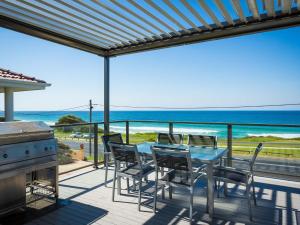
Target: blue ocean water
point(267, 117)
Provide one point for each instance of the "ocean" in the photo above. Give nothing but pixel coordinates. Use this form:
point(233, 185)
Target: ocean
point(267, 117)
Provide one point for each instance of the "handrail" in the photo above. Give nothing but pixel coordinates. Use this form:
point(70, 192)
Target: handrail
point(207, 123)
point(180, 122)
point(74, 124)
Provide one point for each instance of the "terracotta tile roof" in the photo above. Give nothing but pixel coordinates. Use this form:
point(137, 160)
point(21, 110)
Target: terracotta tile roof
point(10, 75)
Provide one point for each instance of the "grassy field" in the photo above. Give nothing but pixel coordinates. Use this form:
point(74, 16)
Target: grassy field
point(273, 146)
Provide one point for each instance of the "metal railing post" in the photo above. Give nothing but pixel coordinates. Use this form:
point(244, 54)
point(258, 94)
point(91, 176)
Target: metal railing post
point(127, 132)
point(96, 145)
point(106, 96)
point(171, 128)
point(229, 144)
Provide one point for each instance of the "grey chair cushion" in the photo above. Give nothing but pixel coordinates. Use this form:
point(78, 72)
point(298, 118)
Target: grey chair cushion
point(235, 176)
point(134, 170)
point(179, 177)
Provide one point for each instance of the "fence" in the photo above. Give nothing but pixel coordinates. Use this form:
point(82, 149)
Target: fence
point(279, 157)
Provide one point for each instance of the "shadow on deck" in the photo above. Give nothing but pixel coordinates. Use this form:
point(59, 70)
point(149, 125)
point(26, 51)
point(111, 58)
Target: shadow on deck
point(90, 203)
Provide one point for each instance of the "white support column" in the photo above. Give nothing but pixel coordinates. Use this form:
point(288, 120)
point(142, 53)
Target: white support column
point(9, 104)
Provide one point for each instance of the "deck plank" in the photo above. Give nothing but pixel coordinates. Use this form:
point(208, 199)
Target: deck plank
point(90, 203)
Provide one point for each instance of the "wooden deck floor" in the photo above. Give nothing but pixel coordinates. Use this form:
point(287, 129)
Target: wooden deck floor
point(88, 201)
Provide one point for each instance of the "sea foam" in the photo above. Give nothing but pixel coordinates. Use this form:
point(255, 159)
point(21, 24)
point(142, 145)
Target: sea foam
point(149, 129)
point(282, 135)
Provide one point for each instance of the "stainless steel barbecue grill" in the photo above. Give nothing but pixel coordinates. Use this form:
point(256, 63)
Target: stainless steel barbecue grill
point(28, 164)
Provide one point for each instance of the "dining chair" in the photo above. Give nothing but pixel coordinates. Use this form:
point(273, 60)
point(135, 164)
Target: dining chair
point(202, 140)
point(181, 173)
point(167, 138)
point(115, 138)
point(134, 168)
point(240, 176)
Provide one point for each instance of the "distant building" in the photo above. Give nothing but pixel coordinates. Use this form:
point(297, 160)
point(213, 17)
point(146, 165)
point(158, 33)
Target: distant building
point(11, 82)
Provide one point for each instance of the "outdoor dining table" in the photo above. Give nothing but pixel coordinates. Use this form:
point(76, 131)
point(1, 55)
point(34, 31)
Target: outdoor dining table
point(207, 155)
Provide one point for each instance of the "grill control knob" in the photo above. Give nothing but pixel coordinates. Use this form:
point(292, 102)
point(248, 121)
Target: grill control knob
point(5, 156)
point(27, 152)
point(46, 149)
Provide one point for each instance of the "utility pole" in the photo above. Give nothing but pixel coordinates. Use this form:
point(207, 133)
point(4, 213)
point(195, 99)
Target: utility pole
point(90, 127)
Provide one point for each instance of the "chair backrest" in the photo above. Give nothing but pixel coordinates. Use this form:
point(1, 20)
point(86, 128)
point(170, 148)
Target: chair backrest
point(166, 138)
point(257, 151)
point(173, 159)
point(123, 153)
point(202, 140)
point(115, 138)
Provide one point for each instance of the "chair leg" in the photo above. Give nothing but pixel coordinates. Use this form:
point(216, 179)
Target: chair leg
point(253, 190)
point(119, 185)
point(225, 189)
point(170, 192)
point(191, 204)
point(106, 169)
point(218, 188)
point(163, 186)
point(249, 201)
point(114, 185)
point(127, 181)
point(155, 196)
point(134, 185)
point(140, 194)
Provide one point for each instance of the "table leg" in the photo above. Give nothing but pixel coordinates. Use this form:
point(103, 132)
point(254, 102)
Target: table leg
point(210, 190)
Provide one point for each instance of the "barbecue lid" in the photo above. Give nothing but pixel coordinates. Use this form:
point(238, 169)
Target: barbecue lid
point(16, 132)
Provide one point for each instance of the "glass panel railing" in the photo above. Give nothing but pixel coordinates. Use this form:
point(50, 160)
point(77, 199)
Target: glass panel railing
point(281, 151)
point(76, 148)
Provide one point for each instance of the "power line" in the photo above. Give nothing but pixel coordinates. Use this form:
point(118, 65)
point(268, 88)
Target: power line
point(204, 107)
point(55, 112)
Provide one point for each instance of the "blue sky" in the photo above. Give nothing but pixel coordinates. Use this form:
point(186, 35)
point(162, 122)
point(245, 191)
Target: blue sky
point(248, 70)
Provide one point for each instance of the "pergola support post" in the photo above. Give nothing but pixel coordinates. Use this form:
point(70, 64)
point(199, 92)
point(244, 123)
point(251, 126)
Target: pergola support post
point(9, 104)
point(106, 95)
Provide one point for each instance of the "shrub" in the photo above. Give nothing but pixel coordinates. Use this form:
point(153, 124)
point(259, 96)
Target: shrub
point(64, 154)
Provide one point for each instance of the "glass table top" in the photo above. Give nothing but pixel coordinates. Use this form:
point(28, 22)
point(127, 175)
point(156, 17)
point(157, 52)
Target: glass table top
point(205, 154)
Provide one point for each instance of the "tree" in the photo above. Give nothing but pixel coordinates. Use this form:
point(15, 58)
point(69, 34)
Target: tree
point(71, 119)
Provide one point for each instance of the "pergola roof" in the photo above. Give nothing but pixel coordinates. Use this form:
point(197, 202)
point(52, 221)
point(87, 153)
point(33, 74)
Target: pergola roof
point(115, 27)
point(19, 82)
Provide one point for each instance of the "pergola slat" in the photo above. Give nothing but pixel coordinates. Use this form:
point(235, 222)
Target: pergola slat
point(179, 13)
point(224, 12)
point(104, 15)
point(269, 5)
point(139, 17)
point(125, 18)
point(253, 8)
point(209, 12)
point(55, 22)
point(114, 27)
point(126, 39)
point(57, 28)
point(196, 14)
point(138, 6)
point(163, 12)
point(239, 11)
point(106, 36)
